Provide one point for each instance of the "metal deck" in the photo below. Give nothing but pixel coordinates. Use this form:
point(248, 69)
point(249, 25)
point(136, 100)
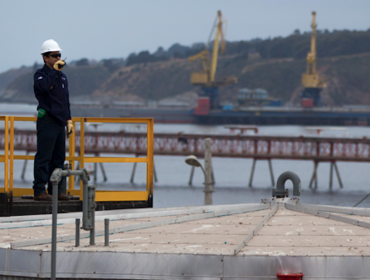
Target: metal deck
point(245, 241)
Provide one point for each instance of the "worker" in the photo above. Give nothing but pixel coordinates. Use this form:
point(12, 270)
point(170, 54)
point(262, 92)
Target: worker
point(53, 120)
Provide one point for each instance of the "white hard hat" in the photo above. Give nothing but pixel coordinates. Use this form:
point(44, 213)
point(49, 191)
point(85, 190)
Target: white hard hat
point(50, 46)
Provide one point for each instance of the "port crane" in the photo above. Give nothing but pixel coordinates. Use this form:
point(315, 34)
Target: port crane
point(206, 78)
point(312, 82)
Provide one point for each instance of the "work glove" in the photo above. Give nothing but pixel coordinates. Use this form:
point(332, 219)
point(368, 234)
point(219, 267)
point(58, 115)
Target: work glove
point(59, 65)
point(69, 128)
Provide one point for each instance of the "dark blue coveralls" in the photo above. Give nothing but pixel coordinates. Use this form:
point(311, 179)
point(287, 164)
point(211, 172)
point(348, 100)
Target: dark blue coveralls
point(51, 91)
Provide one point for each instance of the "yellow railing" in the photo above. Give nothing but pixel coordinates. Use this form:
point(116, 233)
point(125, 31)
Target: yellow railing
point(9, 157)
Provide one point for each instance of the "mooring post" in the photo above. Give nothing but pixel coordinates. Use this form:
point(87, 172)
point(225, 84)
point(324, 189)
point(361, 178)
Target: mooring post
point(208, 189)
point(252, 173)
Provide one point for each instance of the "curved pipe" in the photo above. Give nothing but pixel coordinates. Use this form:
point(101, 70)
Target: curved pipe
point(280, 190)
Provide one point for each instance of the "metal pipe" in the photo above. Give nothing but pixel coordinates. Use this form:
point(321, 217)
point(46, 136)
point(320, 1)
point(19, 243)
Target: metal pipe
point(84, 205)
point(106, 232)
point(280, 190)
point(95, 171)
point(92, 231)
point(54, 231)
point(91, 203)
point(77, 233)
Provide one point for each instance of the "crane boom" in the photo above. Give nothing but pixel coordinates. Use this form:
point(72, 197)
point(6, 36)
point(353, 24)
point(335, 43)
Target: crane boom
point(311, 80)
point(215, 46)
point(207, 77)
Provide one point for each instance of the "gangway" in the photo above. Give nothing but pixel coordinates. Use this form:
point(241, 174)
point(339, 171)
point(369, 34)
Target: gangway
point(256, 147)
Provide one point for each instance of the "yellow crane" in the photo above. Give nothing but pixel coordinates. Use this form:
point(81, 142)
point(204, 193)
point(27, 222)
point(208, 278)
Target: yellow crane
point(206, 78)
point(311, 80)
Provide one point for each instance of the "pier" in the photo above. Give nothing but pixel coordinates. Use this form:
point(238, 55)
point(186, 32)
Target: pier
point(256, 147)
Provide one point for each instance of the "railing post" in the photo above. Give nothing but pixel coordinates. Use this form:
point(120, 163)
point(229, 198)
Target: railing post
point(6, 154)
point(11, 161)
point(82, 151)
point(150, 158)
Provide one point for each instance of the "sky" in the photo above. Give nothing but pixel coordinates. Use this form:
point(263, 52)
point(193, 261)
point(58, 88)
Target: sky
point(97, 29)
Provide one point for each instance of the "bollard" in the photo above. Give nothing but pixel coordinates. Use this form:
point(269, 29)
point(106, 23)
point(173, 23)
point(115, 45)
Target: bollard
point(77, 232)
point(88, 209)
point(106, 232)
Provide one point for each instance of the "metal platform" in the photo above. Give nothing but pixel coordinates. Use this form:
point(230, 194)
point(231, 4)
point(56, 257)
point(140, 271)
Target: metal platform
point(18, 206)
point(245, 241)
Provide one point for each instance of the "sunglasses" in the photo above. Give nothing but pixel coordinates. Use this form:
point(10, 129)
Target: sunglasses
point(55, 55)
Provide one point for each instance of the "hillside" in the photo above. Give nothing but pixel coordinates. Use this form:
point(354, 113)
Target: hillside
point(348, 78)
point(273, 64)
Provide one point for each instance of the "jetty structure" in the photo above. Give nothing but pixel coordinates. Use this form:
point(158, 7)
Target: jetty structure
point(273, 239)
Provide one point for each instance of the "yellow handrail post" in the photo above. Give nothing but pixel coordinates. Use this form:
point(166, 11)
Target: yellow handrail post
point(150, 156)
point(11, 153)
point(6, 153)
point(82, 151)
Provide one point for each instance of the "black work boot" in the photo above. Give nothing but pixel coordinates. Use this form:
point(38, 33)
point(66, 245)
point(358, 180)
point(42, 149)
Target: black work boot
point(63, 197)
point(43, 197)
